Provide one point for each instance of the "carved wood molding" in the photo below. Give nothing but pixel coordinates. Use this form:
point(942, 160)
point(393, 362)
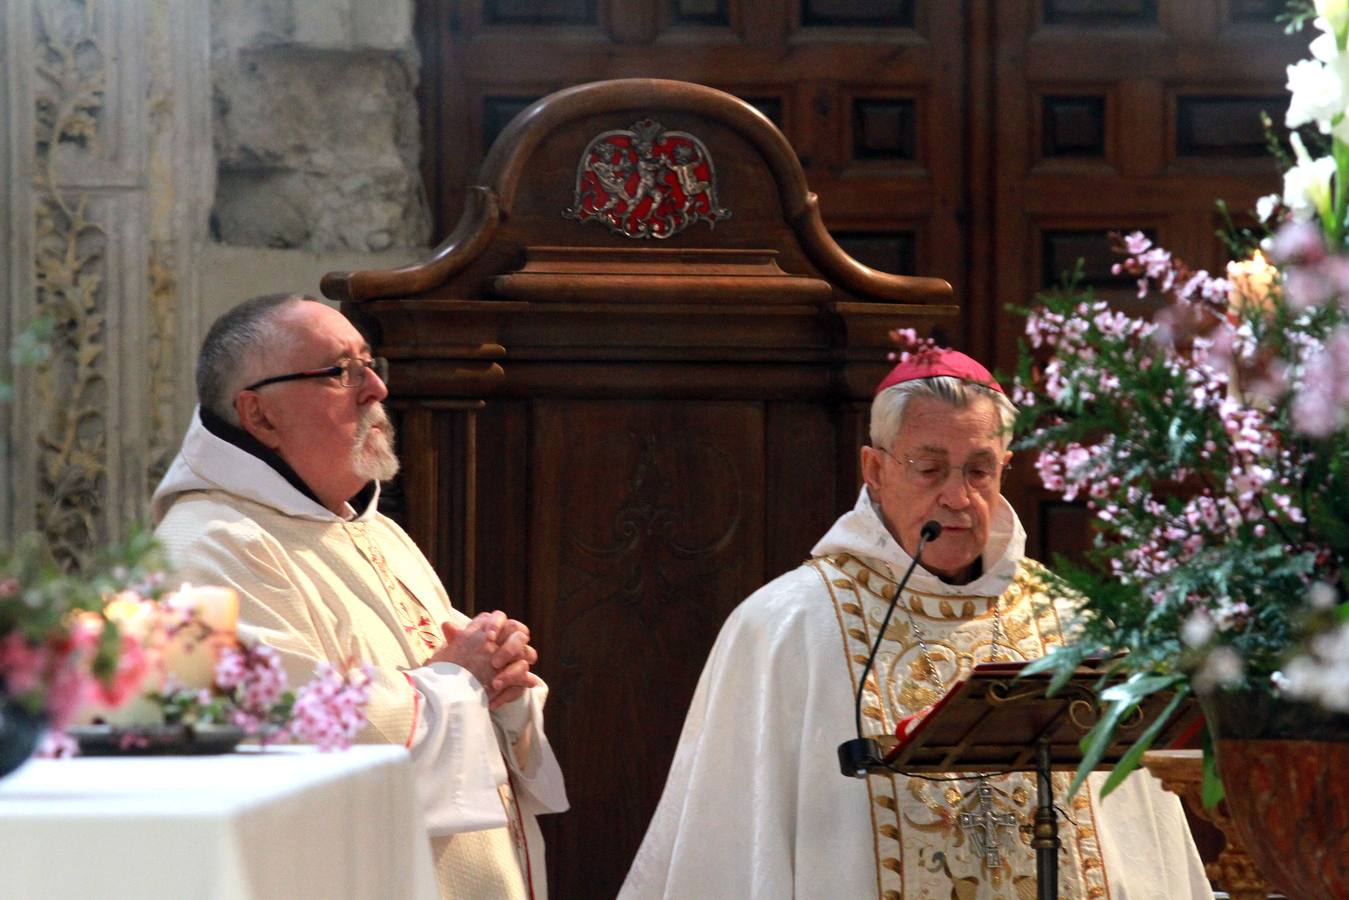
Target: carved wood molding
point(1181, 772)
point(508, 164)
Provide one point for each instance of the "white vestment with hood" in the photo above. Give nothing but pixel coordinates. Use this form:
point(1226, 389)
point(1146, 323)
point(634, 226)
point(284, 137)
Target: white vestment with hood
point(319, 587)
point(755, 805)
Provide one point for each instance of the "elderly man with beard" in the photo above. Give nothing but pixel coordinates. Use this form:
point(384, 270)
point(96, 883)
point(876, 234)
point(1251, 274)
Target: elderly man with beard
point(274, 494)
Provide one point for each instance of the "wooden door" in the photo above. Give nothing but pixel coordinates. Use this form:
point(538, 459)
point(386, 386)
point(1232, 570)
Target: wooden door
point(1114, 116)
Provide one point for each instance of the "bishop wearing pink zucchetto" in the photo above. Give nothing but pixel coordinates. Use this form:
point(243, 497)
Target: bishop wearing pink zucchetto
point(755, 805)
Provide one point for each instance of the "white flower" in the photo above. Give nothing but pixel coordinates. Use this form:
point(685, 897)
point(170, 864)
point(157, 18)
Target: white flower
point(1323, 673)
point(1322, 596)
point(1224, 667)
point(1266, 205)
point(1315, 95)
point(1197, 630)
point(1306, 186)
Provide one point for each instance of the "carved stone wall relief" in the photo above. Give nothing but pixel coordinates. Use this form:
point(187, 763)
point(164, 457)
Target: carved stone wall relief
point(98, 93)
point(71, 244)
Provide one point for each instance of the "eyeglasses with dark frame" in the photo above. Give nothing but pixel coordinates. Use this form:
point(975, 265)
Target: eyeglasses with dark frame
point(348, 372)
point(931, 471)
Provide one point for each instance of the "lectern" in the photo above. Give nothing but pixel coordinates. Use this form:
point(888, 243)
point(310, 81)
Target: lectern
point(1000, 719)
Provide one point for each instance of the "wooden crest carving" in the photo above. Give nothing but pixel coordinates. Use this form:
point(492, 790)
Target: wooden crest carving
point(646, 182)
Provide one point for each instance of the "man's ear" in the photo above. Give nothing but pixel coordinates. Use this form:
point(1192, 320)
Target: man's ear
point(254, 418)
point(871, 467)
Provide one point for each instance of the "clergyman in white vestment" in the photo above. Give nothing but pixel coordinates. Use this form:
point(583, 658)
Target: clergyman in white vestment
point(274, 494)
point(755, 805)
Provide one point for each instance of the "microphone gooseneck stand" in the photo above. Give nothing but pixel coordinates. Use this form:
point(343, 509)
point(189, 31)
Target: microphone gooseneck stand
point(858, 755)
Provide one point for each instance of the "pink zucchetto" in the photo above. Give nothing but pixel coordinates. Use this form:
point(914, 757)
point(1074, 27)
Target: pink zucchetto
point(931, 363)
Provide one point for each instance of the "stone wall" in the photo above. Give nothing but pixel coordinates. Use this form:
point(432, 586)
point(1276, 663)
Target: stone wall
point(316, 126)
point(164, 159)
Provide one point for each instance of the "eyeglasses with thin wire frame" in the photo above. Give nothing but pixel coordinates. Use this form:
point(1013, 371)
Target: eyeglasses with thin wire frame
point(932, 471)
point(348, 372)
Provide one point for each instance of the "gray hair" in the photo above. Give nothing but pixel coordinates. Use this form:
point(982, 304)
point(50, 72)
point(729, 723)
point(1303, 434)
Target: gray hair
point(234, 348)
point(887, 410)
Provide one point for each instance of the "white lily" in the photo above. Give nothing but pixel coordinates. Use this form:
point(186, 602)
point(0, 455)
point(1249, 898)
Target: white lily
point(1266, 206)
point(1306, 186)
point(1316, 95)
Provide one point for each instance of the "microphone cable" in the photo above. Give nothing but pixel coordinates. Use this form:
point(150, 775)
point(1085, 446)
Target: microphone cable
point(856, 755)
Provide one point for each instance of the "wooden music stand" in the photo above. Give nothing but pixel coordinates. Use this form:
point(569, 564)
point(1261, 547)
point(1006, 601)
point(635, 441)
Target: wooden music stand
point(998, 720)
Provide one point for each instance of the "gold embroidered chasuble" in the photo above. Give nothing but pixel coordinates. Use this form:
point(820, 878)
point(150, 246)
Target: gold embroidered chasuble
point(755, 807)
point(916, 822)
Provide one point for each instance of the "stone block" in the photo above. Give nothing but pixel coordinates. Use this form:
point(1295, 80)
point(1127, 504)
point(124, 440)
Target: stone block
point(329, 138)
point(323, 24)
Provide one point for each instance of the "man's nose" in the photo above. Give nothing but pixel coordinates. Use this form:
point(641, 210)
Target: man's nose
point(372, 388)
point(955, 493)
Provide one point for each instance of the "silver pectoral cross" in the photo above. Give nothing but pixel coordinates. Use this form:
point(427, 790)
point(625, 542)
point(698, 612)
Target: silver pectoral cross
point(983, 826)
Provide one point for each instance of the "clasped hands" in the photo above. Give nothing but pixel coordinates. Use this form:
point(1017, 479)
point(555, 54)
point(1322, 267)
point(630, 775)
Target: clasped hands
point(495, 650)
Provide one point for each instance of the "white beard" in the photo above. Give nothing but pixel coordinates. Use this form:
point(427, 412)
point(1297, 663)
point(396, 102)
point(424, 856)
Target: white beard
point(372, 455)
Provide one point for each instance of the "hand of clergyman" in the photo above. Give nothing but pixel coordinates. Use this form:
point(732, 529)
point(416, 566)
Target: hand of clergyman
point(513, 659)
point(472, 646)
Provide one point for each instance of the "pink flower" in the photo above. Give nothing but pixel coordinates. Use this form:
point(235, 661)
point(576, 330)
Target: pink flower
point(330, 710)
point(21, 664)
point(133, 664)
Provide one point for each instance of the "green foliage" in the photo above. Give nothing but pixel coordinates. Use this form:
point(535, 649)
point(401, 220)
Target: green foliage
point(1295, 15)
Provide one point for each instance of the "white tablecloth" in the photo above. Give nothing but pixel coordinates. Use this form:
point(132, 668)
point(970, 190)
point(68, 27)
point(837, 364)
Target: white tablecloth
point(286, 823)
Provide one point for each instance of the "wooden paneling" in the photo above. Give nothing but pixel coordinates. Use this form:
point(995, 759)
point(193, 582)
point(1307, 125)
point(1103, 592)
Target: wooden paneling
point(1157, 105)
point(855, 13)
point(1073, 126)
point(701, 12)
point(539, 12)
point(647, 525)
point(884, 128)
point(888, 251)
point(871, 95)
point(1225, 127)
point(1096, 13)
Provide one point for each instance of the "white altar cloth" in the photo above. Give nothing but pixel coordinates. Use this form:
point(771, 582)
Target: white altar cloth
point(288, 822)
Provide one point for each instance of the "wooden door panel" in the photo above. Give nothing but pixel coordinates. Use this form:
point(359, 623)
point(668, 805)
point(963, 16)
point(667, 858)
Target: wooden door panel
point(647, 522)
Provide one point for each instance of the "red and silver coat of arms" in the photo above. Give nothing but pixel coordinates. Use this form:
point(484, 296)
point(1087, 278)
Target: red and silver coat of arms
point(646, 182)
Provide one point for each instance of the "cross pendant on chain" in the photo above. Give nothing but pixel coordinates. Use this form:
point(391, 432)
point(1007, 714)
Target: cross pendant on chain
point(983, 826)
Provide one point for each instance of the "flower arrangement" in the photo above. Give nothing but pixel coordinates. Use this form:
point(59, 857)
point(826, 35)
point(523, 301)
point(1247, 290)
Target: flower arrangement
point(58, 650)
point(201, 675)
point(1211, 442)
point(109, 642)
point(249, 691)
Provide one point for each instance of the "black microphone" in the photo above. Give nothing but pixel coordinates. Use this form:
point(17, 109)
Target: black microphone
point(859, 754)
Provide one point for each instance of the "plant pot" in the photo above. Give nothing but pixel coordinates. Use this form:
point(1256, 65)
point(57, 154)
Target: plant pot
point(20, 731)
point(1286, 793)
point(1289, 802)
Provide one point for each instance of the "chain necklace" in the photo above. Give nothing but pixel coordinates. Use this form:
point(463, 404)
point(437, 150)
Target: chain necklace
point(999, 637)
point(983, 826)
